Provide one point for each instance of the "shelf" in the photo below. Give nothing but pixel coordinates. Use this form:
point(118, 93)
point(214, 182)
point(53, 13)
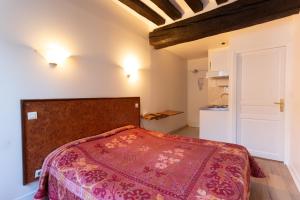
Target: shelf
point(161, 115)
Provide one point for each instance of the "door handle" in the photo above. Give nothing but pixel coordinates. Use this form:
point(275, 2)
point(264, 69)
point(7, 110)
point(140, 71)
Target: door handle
point(281, 104)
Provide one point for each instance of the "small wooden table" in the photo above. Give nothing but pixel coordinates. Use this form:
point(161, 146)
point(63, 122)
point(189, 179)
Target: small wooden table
point(160, 115)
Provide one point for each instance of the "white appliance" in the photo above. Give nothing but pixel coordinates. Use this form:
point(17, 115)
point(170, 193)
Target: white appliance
point(214, 125)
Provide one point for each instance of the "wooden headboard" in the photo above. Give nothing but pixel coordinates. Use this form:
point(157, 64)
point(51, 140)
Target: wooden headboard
point(60, 121)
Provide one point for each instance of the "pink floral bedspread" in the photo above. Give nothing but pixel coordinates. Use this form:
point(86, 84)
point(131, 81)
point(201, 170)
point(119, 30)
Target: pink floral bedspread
point(136, 164)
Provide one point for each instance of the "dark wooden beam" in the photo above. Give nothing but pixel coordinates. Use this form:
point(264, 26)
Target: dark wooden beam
point(234, 16)
point(221, 1)
point(168, 8)
point(144, 10)
point(195, 5)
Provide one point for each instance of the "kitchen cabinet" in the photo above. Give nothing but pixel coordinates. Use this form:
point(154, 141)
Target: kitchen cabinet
point(218, 59)
point(215, 125)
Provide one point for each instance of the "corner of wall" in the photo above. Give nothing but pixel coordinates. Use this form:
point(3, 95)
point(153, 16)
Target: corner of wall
point(294, 108)
point(295, 175)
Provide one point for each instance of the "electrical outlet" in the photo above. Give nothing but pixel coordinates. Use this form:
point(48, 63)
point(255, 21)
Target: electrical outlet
point(32, 115)
point(37, 173)
point(137, 105)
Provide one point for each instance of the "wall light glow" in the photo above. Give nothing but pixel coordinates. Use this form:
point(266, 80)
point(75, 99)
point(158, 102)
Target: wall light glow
point(131, 66)
point(56, 55)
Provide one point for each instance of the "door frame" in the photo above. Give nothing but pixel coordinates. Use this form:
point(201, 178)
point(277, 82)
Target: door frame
point(233, 81)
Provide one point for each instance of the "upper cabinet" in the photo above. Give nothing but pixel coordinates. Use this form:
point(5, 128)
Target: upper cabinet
point(218, 59)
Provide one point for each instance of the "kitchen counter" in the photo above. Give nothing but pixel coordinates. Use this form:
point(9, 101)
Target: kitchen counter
point(216, 108)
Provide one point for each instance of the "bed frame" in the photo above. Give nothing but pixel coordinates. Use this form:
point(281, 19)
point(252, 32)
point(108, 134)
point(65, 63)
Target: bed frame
point(60, 121)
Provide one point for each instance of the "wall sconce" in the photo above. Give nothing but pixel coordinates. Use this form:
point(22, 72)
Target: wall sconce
point(131, 67)
point(56, 55)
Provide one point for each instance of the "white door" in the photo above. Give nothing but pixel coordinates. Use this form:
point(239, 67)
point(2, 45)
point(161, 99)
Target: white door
point(260, 87)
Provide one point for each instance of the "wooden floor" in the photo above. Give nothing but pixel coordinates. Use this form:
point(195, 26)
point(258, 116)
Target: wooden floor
point(278, 185)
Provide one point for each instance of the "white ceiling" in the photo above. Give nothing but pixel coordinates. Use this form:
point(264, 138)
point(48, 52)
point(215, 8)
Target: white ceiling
point(180, 4)
point(190, 50)
point(199, 48)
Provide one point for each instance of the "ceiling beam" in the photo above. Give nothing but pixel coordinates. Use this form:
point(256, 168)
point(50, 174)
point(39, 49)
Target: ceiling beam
point(221, 1)
point(168, 8)
point(144, 11)
point(234, 16)
point(195, 5)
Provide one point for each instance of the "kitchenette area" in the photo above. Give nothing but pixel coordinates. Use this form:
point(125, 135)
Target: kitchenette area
point(238, 96)
point(214, 117)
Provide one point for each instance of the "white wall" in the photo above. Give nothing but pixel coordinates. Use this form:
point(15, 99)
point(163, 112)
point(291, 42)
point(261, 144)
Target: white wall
point(279, 33)
point(99, 35)
point(167, 91)
point(294, 94)
point(196, 98)
point(267, 35)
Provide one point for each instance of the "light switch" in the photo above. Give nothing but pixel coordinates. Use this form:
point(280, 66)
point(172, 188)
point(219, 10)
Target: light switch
point(37, 173)
point(136, 105)
point(32, 115)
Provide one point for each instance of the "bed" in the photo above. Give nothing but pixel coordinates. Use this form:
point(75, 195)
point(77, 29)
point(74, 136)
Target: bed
point(132, 163)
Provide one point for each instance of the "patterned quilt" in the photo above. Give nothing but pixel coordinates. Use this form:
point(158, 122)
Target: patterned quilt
point(131, 163)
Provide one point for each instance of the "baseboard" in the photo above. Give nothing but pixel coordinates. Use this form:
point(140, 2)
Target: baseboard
point(178, 129)
point(261, 154)
point(28, 196)
point(193, 124)
point(295, 176)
